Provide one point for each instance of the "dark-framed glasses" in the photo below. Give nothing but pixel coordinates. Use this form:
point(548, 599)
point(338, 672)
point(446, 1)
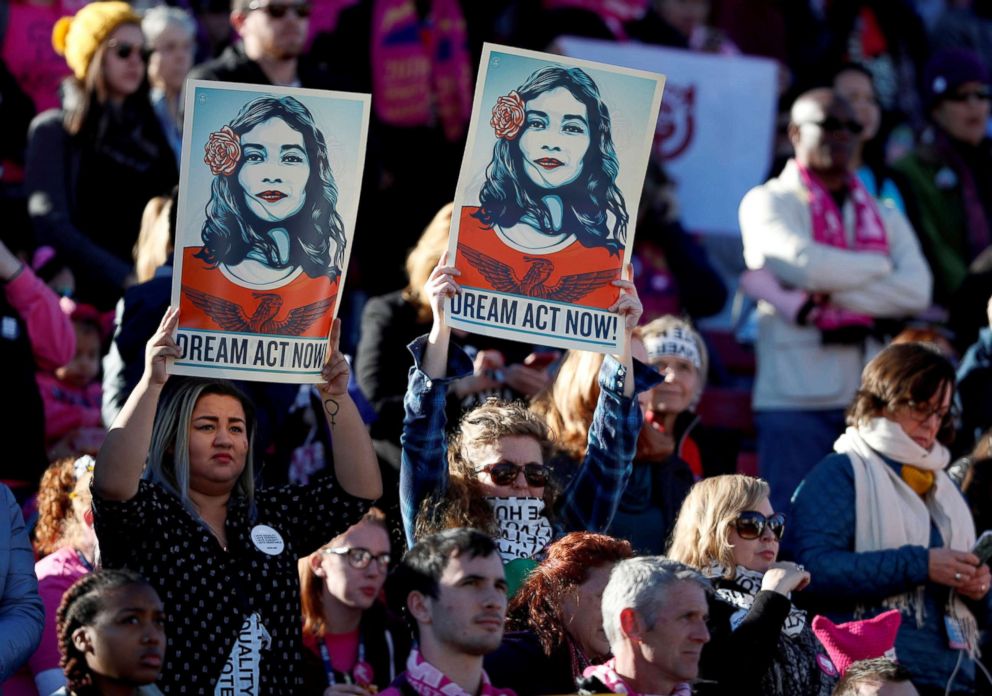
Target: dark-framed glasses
point(278, 10)
point(832, 124)
point(751, 524)
point(505, 473)
point(124, 49)
point(922, 412)
point(358, 557)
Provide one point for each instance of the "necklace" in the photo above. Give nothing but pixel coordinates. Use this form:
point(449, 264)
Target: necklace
point(217, 535)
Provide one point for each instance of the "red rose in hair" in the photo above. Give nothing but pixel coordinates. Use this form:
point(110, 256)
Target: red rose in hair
point(508, 116)
point(223, 151)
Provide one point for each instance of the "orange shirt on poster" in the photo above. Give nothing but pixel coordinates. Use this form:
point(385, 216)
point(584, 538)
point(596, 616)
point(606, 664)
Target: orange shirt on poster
point(301, 291)
point(571, 260)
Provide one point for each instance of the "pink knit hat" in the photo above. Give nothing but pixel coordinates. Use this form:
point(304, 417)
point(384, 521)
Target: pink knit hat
point(858, 640)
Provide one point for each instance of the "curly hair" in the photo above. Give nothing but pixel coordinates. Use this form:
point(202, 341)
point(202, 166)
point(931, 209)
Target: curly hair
point(317, 232)
point(537, 605)
point(463, 504)
point(79, 607)
point(54, 505)
point(508, 194)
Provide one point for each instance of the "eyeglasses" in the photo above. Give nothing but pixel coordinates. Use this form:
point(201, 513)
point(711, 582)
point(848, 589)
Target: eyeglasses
point(982, 94)
point(751, 524)
point(832, 124)
point(278, 11)
point(921, 413)
point(359, 557)
point(505, 473)
point(123, 49)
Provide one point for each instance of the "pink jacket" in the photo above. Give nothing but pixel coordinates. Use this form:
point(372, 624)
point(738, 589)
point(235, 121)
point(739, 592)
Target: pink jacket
point(53, 340)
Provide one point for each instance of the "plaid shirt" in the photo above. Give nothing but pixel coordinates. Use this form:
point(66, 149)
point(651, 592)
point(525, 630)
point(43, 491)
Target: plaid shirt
point(589, 499)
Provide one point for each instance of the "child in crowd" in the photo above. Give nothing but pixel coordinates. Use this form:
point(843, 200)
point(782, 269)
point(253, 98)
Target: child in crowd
point(71, 393)
point(111, 635)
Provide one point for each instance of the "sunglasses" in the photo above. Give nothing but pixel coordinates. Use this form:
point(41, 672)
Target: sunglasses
point(751, 525)
point(358, 557)
point(123, 49)
point(278, 11)
point(983, 94)
point(505, 473)
point(833, 124)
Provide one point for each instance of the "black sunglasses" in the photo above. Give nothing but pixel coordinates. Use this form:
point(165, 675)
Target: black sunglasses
point(832, 124)
point(123, 49)
point(278, 11)
point(505, 473)
point(751, 524)
point(359, 557)
point(981, 94)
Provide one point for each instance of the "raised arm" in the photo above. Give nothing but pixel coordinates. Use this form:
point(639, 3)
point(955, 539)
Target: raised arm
point(355, 464)
point(122, 457)
point(592, 495)
point(424, 458)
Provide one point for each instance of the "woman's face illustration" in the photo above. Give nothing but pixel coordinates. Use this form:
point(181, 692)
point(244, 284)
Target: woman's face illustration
point(275, 170)
point(555, 138)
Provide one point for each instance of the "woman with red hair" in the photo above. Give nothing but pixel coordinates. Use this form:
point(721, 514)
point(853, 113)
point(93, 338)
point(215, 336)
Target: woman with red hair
point(557, 618)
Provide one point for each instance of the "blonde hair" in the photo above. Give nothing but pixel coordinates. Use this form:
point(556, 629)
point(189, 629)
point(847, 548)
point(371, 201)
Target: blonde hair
point(154, 244)
point(568, 403)
point(664, 324)
point(424, 257)
point(702, 531)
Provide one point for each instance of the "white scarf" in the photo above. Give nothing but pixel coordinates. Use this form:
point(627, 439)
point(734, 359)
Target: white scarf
point(890, 514)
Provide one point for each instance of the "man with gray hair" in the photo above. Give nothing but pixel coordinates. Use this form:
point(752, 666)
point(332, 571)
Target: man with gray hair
point(654, 614)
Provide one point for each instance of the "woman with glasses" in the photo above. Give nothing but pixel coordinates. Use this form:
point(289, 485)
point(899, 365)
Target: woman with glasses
point(494, 474)
point(729, 531)
point(103, 151)
point(351, 646)
point(882, 526)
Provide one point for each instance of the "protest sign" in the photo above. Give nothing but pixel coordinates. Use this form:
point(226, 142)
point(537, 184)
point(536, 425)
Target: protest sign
point(269, 189)
point(547, 197)
point(715, 128)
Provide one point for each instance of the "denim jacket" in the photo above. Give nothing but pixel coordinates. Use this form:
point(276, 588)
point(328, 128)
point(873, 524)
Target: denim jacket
point(589, 499)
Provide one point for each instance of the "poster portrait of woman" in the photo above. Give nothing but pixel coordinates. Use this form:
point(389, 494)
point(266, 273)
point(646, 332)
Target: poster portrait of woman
point(264, 231)
point(545, 195)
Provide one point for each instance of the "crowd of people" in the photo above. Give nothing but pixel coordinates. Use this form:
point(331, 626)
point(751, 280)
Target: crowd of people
point(449, 513)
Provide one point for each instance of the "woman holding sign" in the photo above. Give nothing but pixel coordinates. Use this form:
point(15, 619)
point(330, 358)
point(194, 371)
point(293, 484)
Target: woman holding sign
point(272, 229)
point(494, 475)
point(550, 198)
point(174, 498)
point(881, 525)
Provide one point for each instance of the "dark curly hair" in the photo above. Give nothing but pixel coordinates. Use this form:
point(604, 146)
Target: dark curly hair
point(508, 194)
point(317, 232)
point(79, 607)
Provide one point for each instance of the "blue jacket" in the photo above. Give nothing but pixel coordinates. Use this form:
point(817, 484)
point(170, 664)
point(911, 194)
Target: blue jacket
point(22, 614)
point(974, 387)
point(589, 499)
point(822, 527)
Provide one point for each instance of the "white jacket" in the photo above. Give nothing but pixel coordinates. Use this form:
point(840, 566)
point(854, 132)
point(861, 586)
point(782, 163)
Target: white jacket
point(794, 370)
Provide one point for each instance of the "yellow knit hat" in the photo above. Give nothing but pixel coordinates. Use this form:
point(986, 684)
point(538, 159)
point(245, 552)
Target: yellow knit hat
point(78, 37)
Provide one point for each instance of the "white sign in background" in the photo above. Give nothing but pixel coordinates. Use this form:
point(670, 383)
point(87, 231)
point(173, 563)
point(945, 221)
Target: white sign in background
point(716, 127)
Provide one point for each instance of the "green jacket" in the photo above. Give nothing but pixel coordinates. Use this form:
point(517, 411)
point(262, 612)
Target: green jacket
point(939, 218)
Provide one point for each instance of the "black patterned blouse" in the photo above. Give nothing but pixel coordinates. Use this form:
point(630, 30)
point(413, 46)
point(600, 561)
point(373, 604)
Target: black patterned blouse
point(209, 593)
